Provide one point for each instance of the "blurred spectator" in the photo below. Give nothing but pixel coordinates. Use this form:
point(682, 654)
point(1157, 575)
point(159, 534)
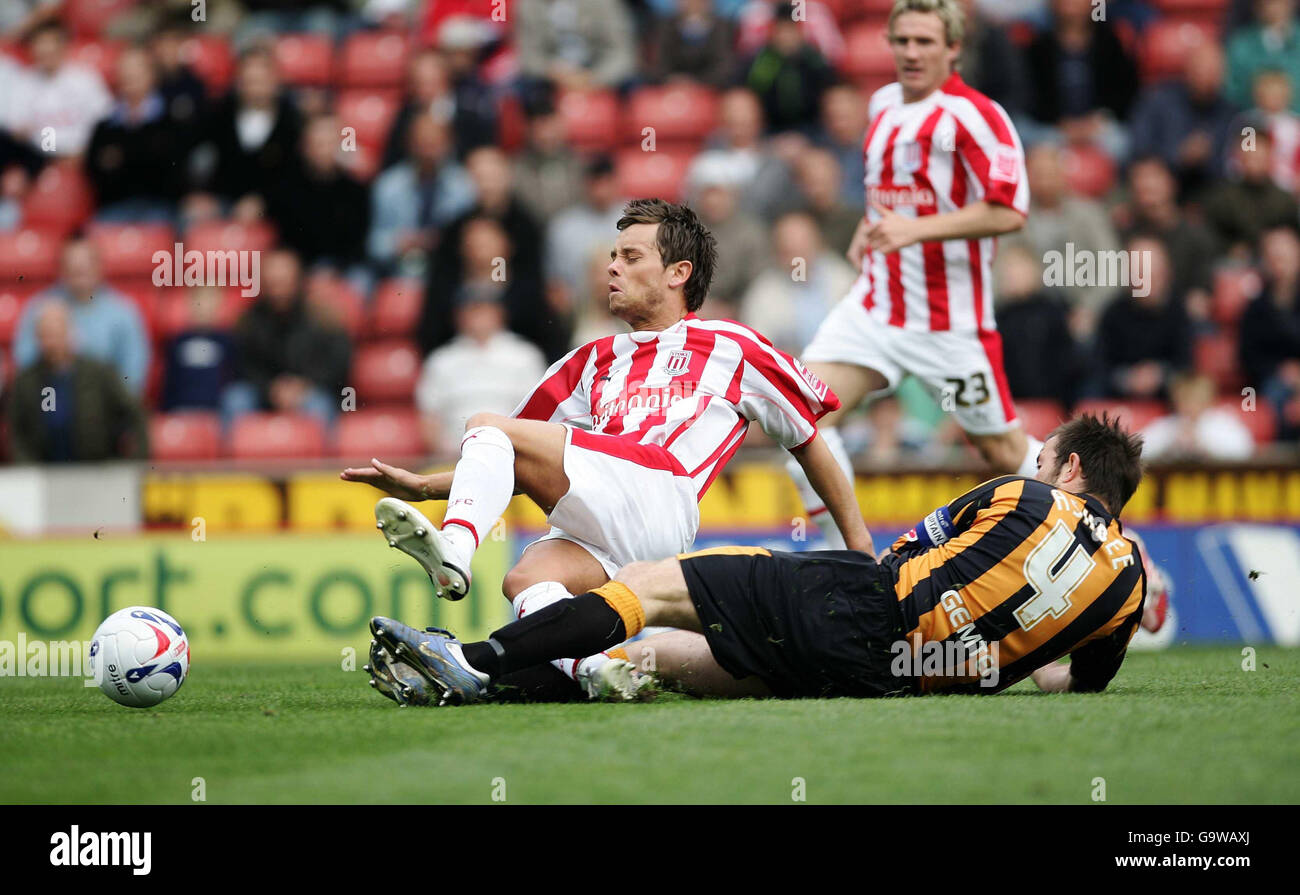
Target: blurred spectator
point(695, 43)
point(321, 210)
point(53, 105)
point(592, 318)
point(1270, 330)
point(789, 300)
point(577, 44)
point(1272, 94)
point(761, 174)
point(285, 359)
point(1196, 430)
point(496, 57)
point(576, 232)
point(1081, 77)
point(758, 18)
point(17, 17)
point(1242, 207)
point(475, 107)
point(789, 75)
point(1058, 218)
point(742, 239)
point(200, 359)
point(1153, 208)
point(991, 63)
point(428, 92)
point(415, 199)
point(887, 435)
point(13, 186)
point(516, 260)
point(136, 159)
point(843, 129)
point(548, 173)
point(107, 325)
point(67, 407)
point(1144, 339)
point(182, 91)
point(505, 366)
point(1046, 362)
point(255, 132)
point(818, 176)
point(1187, 121)
point(1272, 41)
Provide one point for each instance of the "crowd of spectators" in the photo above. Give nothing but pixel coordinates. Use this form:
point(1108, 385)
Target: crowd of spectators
point(432, 186)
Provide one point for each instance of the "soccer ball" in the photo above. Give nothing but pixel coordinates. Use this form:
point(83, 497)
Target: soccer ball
point(140, 656)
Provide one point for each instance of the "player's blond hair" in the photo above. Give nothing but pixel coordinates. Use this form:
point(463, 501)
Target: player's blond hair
point(948, 11)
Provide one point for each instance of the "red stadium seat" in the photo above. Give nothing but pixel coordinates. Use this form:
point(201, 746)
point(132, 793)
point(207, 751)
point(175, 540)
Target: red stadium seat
point(511, 124)
point(370, 113)
point(191, 435)
point(374, 59)
point(1088, 171)
point(1216, 357)
point(28, 256)
point(211, 59)
point(127, 250)
point(343, 304)
point(173, 313)
point(395, 309)
point(305, 59)
point(12, 300)
point(60, 200)
point(1040, 416)
point(386, 372)
point(680, 112)
point(1211, 12)
point(660, 174)
point(271, 436)
point(1261, 420)
point(225, 236)
point(388, 432)
point(1234, 288)
point(1167, 42)
point(590, 118)
point(88, 17)
point(1134, 415)
point(101, 55)
point(867, 52)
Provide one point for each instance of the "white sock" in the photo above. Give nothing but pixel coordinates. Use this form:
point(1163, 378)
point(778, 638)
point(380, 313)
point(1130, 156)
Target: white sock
point(812, 503)
point(542, 594)
point(1029, 465)
point(481, 489)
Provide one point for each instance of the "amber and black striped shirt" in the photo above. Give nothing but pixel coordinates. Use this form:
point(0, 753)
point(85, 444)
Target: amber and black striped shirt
point(1026, 572)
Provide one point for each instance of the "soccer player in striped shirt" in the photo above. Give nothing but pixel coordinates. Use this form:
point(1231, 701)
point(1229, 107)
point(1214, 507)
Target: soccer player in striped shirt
point(944, 177)
point(620, 439)
point(994, 587)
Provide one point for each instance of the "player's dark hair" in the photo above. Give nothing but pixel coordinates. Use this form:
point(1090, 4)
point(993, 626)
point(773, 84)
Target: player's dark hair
point(1109, 456)
point(681, 237)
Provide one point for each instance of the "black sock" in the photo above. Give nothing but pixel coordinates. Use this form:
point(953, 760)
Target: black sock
point(578, 627)
point(541, 683)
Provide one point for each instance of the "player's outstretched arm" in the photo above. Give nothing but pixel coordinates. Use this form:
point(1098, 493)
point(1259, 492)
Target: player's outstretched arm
point(1054, 678)
point(828, 480)
point(894, 231)
point(401, 483)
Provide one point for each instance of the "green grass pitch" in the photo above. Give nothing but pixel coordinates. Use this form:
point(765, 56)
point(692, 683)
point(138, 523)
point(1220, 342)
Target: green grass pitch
point(1187, 725)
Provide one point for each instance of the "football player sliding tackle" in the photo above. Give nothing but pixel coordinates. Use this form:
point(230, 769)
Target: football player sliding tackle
point(617, 444)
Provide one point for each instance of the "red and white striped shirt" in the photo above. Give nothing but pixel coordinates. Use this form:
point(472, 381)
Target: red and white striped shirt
point(935, 156)
point(680, 399)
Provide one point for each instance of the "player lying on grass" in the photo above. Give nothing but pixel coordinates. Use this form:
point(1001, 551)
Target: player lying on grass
point(620, 439)
point(994, 587)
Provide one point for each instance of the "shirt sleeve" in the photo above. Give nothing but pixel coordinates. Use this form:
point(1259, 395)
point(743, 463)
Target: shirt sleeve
point(782, 395)
point(950, 520)
point(987, 142)
point(563, 394)
point(1093, 665)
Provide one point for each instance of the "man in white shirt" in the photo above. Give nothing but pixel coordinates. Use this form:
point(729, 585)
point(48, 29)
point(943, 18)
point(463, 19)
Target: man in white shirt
point(54, 104)
point(1196, 430)
point(484, 368)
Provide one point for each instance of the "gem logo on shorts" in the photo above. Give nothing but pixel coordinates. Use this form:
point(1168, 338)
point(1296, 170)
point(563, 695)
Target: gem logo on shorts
point(678, 363)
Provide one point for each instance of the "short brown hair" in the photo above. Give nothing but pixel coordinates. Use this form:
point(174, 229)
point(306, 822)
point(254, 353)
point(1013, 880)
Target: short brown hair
point(1109, 456)
point(681, 237)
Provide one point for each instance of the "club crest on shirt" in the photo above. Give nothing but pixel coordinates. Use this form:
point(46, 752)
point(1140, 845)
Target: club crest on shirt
point(678, 362)
point(907, 157)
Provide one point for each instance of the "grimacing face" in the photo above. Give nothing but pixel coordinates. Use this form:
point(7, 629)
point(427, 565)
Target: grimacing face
point(639, 283)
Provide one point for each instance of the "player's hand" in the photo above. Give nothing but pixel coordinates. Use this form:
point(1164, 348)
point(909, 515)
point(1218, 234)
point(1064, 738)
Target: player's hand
point(892, 232)
point(401, 483)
